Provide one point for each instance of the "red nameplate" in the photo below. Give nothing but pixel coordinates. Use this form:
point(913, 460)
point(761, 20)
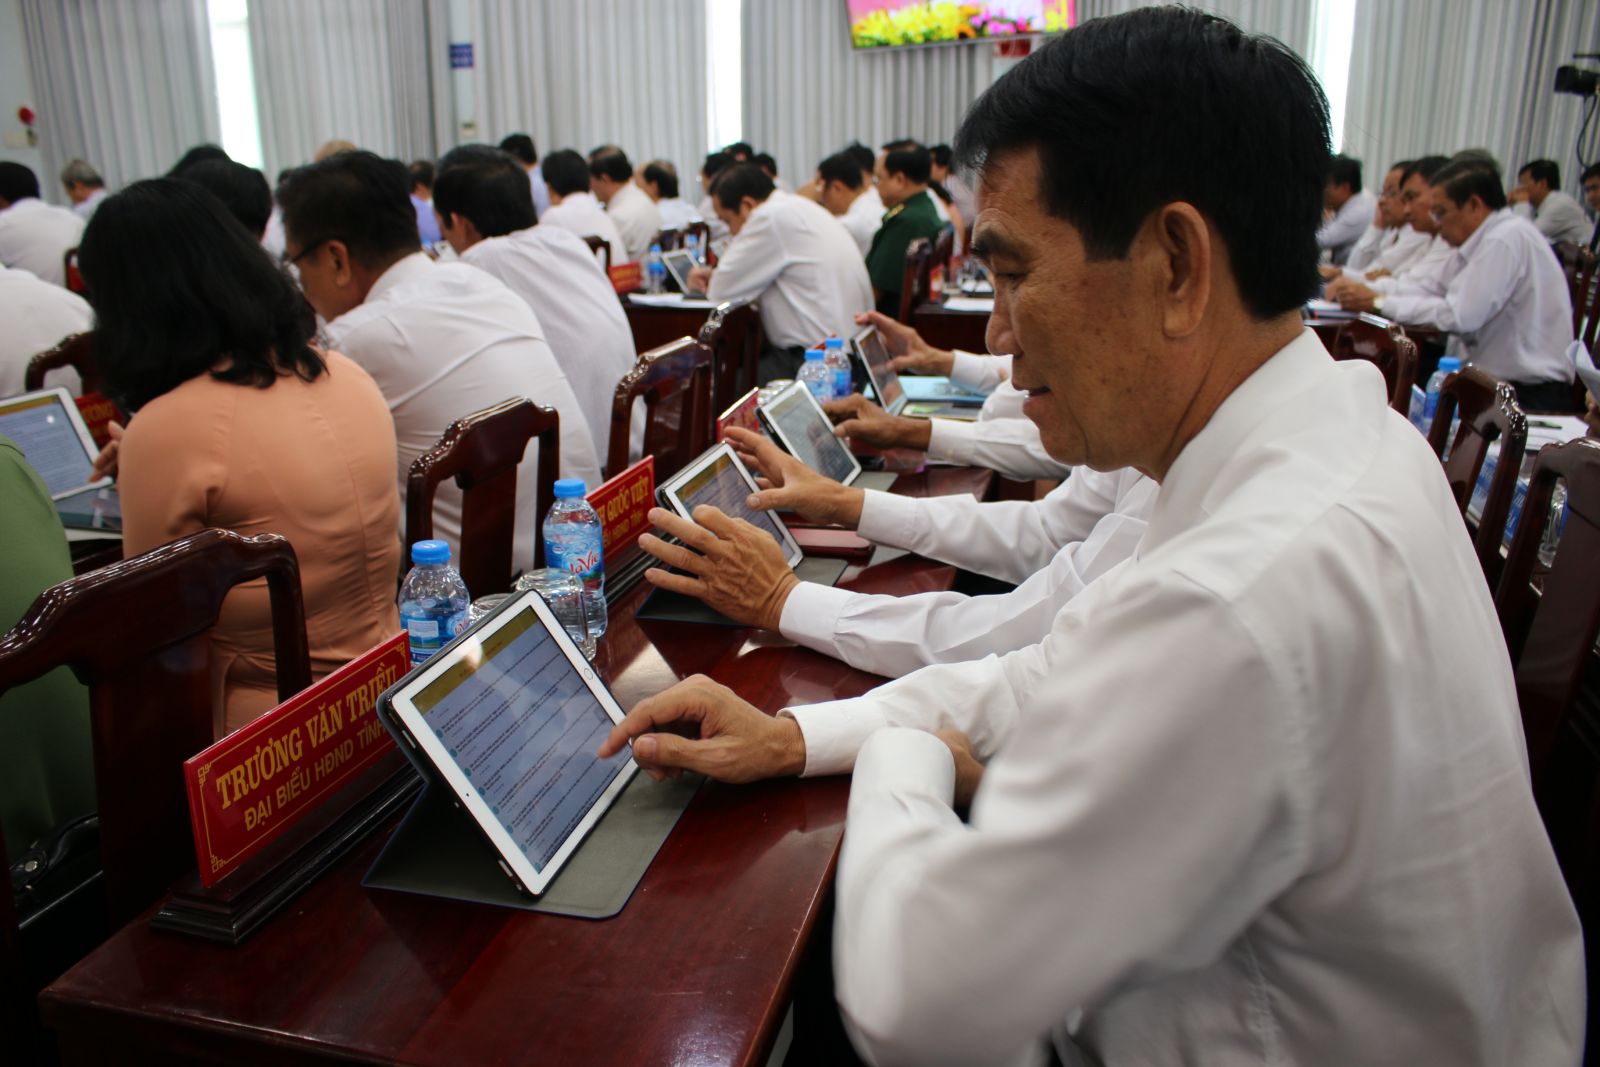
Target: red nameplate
point(98, 410)
point(623, 504)
point(254, 784)
point(627, 277)
point(742, 414)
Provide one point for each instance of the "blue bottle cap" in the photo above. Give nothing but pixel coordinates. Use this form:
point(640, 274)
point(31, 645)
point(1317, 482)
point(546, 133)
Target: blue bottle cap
point(1450, 363)
point(834, 342)
point(813, 353)
point(430, 552)
point(570, 487)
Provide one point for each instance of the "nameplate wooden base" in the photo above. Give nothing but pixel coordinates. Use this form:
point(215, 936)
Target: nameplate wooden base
point(624, 573)
point(237, 906)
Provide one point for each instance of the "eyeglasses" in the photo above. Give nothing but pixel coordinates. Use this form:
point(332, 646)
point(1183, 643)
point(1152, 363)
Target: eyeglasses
point(294, 260)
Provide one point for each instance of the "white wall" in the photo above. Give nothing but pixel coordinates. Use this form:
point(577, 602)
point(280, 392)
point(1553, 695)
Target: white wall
point(15, 91)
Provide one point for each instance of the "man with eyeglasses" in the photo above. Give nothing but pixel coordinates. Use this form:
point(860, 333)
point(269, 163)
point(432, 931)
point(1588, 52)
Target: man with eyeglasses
point(1430, 267)
point(1391, 241)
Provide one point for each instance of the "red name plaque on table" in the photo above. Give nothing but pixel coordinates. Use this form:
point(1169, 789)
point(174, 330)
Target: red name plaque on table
point(741, 413)
point(627, 277)
point(623, 504)
point(98, 411)
point(251, 787)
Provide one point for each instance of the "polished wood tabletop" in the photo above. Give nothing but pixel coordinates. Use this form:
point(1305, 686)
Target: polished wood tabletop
point(698, 968)
point(945, 327)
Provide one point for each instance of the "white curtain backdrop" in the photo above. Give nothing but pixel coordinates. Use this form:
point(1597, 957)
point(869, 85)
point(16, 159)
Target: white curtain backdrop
point(1442, 75)
point(1288, 20)
point(578, 75)
point(356, 70)
point(128, 87)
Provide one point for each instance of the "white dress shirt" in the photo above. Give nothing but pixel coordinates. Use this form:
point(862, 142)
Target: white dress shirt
point(637, 217)
point(35, 236)
point(1340, 233)
point(1428, 273)
point(863, 218)
point(676, 213)
point(37, 316)
point(1365, 251)
point(1559, 218)
point(85, 209)
point(1095, 520)
point(1001, 439)
point(273, 239)
point(1393, 251)
point(582, 214)
point(1508, 305)
point(979, 371)
point(1261, 797)
point(445, 340)
point(802, 265)
point(557, 276)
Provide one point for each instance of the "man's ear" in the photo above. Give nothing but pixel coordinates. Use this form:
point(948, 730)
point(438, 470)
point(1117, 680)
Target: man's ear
point(343, 262)
point(1185, 246)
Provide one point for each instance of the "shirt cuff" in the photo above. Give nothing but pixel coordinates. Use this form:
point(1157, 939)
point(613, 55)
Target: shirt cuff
point(951, 441)
point(897, 761)
point(811, 616)
point(888, 518)
point(834, 732)
point(978, 373)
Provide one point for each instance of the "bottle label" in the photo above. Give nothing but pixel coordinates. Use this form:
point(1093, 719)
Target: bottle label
point(583, 560)
point(429, 633)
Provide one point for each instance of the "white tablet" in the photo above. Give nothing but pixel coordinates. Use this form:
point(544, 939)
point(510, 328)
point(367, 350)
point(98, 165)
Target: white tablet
point(52, 435)
point(875, 360)
point(679, 262)
point(797, 422)
point(509, 716)
point(716, 477)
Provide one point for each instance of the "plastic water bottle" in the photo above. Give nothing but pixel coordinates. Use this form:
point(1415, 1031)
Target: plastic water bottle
point(691, 242)
point(655, 272)
point(572, 542)
point(433, 600)
point(817, 377)
point(839, 364)
point(1447, 366)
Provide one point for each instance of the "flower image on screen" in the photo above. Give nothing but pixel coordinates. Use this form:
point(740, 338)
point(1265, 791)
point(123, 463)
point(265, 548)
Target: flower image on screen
point(888, 23)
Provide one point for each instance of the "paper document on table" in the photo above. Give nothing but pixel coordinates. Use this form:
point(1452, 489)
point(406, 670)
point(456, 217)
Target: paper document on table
point(970, 303)
point(1328, 309)
point(676, 300)
point(1583, 360)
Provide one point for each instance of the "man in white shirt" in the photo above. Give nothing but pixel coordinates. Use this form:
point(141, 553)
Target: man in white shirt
point(1538, 197)
point(37, 317)
point(637, 218)
point(442, 340)
point(1347, 209)
point(1249, 802)
point(853, 200)
point(486, 214)
point(793, 257)
point(1508, 306)
point(84, 186)
point(34, 235)
point(659, 180)
point(573, 207)
point(1389, 239)
point(714, 164)
point(1427, 271)
point(521, 147)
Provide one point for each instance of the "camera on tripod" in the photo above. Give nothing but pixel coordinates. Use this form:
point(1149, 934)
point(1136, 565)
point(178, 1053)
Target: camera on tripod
point(1579, 81)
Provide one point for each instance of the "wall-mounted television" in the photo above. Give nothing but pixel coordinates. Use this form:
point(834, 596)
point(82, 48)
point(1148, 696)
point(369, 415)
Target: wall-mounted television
point(901, 23)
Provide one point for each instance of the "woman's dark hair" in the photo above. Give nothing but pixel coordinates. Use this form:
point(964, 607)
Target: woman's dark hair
point(243, 191)
point(178, 287)
point(484, 185)
point(200, 153)
point(1168, 104)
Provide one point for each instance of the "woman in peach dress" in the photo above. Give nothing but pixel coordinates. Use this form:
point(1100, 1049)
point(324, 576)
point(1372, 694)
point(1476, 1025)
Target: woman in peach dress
point(240, 423)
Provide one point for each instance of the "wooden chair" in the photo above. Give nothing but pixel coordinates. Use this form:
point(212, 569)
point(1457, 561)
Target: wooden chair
point(675, 381)
point(602, 248)
point(1578, 264)
point(482, 452)
point(136, 634)
point(733, 334)
point(944, 250)
point(914, 277)
point(77, 352)
point(1385, 344)
point(1489, 412)
point(669, 239)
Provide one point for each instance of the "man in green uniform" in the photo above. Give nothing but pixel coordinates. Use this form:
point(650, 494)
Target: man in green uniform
point(902, 175)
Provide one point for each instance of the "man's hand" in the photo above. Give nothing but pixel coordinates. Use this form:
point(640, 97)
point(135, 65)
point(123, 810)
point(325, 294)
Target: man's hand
point(1374, 275)
point(861, 420)
point(733, 567)
point(1357, 297)
point(700, 279)
point(1329, 272)
point(105, 464)
point(1517, 194)
point(969, 772)
point(909, 351)
point(729, 739)
point(789, 485)
point(1591, 413)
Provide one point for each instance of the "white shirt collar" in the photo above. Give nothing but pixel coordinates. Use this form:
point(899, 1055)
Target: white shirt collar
point(1491, 223)
point(401, 271)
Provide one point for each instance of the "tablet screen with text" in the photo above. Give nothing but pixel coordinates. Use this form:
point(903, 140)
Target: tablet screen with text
point(805, 432)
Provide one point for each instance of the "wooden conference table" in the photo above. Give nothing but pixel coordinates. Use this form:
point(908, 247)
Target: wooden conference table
point(698, 968)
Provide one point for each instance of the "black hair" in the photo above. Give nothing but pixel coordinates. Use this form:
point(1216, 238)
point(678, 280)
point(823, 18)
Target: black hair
point(178, 286)
point(738, 149)
point(766, 163)
point(1543, 170)
point(910, 159)
point(1343, 170)
point(243, 191)
point(421, 172)
point(521, 146)
point(17, 182)
point(739, 181)
point(566, 172)
point(610, 163)
point(664, 176)
point(865, 157)
point(1591, 171)
point(356, 197)
point(485, 186)
point(841, 167)
point(1464, 179)
point(716, 163)
point(941, 154)
point(200, 153)
point(1101, 104)
point(1426, 166)
point(1401, 165)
